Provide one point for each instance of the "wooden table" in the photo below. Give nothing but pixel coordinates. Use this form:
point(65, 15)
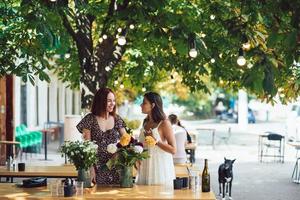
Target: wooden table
point(41, 171)
point(155, 192)
point(64, 171)
point(10, 144)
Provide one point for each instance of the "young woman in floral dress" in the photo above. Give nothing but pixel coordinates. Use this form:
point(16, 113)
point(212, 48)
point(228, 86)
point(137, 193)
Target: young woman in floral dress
point(104, 126)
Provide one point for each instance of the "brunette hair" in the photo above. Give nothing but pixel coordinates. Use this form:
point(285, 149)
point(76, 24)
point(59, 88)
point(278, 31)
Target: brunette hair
point(157, 112)
point(100, 102)
point(174, 120)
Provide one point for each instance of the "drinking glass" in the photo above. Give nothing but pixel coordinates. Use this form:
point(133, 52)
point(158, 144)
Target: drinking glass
point(194, 180)
point(79, 188)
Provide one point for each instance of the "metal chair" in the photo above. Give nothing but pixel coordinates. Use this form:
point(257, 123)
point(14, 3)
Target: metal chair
point(275, 142)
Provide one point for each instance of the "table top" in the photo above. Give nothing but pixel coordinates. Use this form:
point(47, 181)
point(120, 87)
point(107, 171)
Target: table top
point(295, 144)
point(190, 146)
point(9, 142)
point(44, 171)
point(64, 171)
point(155, 192)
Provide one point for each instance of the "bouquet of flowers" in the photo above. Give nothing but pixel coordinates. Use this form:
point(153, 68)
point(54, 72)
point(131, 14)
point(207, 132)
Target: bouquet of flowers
point(83, 154)
point(126, 152)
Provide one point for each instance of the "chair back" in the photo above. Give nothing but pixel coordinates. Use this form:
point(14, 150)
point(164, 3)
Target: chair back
point(274, 136)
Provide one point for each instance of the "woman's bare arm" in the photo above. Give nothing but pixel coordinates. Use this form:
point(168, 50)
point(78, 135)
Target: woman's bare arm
point(165, 130)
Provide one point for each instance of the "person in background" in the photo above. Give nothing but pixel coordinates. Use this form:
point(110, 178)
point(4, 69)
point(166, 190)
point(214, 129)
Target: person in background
point(105, 127)
point(159, 167)
point(182, 137)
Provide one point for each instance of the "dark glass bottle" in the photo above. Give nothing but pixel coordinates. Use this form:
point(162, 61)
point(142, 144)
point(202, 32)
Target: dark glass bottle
point(205, 178)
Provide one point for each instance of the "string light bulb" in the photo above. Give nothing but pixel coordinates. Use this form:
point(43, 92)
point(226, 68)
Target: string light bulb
point(104, 36)
point(67, 55)
point(241, 61)
point(143, 89)
point(107, 68)
point(122, 85)
point(193, 53)
point(121, 40)
point(192, 44)
point(131, 26)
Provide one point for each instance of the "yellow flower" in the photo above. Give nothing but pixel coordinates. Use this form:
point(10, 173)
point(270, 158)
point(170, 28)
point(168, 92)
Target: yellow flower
point(125, 139)
point(150, 141)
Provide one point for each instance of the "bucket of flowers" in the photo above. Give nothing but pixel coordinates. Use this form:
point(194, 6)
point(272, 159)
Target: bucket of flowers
point(125, 154)
point(83, 154)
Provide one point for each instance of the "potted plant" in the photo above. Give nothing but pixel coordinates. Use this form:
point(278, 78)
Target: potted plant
point(83, 154)
point(125, 154)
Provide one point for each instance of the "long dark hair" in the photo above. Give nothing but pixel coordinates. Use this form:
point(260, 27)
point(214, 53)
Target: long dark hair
point(100, 102)
point(157, 111)
point(174, 120)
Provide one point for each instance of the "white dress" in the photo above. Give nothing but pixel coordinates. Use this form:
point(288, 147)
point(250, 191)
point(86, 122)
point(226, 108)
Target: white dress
point(159, 167)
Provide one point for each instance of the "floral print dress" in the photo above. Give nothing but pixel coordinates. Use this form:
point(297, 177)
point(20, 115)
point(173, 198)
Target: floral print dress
point(102, 139)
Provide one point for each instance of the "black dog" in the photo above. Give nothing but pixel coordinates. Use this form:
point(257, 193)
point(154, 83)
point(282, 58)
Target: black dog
point(225, 177)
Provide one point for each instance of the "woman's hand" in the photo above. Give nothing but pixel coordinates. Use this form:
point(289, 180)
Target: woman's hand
point(93, 175)
point(149, 133)
point(137, 164)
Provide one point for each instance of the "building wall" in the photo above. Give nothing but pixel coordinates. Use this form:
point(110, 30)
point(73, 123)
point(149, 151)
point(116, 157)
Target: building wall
point(45, 102)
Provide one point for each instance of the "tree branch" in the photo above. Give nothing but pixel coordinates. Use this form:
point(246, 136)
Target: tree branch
point(123, 6)
point(68, 26)
point(110, 13)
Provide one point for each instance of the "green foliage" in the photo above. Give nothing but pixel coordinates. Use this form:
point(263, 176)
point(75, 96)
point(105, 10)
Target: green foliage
point(34, 33)
point(132, 124)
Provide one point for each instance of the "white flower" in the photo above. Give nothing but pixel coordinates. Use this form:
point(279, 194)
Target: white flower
point(112, 148)
point(138, 149)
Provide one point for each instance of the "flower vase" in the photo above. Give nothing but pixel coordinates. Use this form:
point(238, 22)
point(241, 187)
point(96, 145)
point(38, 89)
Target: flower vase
point(84, 176)
point(126, 180)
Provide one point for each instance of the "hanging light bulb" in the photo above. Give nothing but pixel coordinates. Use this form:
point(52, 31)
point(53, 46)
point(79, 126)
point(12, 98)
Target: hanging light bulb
point(104, 36)
point(121, 85)
point(107, 68)
point(143, 89)
point(119, 30)
point(131, 26)
point(67, 55)
point(212, 17)
point(192, 44)
point(193, 53)
point(212, 60)
point(116, 82)
point(122, 40)
point(241, 60)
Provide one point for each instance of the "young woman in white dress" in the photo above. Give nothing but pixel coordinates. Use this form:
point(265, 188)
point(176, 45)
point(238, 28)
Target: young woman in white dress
point(159, 167)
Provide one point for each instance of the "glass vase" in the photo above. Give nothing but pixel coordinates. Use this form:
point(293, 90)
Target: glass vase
point(85, 177)
point(126, 180)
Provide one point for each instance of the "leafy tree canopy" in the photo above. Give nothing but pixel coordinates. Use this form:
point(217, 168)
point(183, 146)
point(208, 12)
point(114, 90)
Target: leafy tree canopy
point(79, 41)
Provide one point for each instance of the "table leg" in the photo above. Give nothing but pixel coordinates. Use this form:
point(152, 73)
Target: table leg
point(45, 145)
point(213, 139)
